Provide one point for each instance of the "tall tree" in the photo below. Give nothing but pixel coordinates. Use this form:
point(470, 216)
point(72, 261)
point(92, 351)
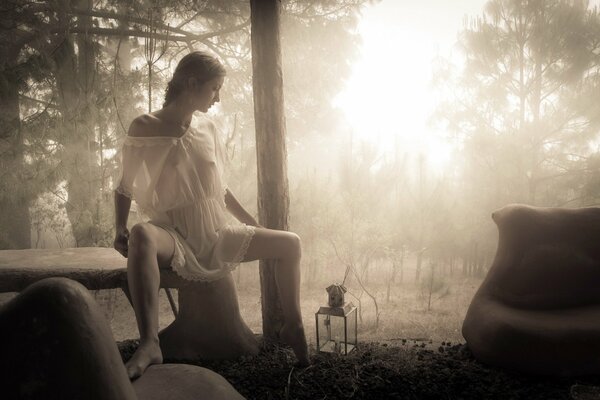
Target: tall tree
point(271, 153)
point(87, 101)
point(525, 102)
point(14, 200)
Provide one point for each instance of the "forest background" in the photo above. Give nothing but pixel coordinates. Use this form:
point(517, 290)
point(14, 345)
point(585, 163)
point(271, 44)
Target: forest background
point(521, 108)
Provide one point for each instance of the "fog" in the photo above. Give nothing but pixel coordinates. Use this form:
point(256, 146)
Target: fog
point(408, 124)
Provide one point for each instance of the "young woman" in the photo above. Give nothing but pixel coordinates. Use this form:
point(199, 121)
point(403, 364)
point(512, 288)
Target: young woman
point(174, 172)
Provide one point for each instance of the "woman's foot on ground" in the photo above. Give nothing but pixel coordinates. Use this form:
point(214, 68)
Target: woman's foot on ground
point(145, 355)
point(294, 336)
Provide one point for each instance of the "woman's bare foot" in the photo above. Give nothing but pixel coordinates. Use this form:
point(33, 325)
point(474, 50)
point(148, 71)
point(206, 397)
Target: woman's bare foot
point(293, 334)
point(147, 353)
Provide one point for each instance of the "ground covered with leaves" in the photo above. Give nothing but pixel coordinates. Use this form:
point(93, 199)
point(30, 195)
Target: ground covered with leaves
point(402, 369)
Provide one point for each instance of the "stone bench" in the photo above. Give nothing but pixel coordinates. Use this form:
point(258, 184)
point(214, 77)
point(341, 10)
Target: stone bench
point(207, 325)
point(94, 267)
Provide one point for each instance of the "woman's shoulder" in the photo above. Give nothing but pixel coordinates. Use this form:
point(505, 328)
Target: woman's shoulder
point(144, 125)
point(150, 125)
point(147, 130)
point(206, 123)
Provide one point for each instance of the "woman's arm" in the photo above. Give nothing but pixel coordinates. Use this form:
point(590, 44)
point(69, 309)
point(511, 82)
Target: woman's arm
point(122, 206)
point(130, 165)
point(236, 209)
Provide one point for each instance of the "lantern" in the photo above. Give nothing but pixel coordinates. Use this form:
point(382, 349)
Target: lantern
point(336, 323)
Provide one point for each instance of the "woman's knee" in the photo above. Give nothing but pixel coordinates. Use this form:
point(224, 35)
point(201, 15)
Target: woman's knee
point(295, 244)
point(142, 237)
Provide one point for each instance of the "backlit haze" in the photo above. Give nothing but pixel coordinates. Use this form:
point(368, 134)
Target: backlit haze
point(388, 99)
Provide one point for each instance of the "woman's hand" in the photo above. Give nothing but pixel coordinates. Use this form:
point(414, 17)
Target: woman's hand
point(121, 243)
point(239, 212)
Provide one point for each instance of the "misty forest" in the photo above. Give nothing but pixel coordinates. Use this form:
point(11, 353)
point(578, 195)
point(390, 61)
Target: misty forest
point(398, 213)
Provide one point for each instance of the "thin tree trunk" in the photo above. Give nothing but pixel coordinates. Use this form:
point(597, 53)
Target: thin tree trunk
point(536, 101)
point(74, 77)
point(273, 194)
point(431, 278)
point(15, 222)
point(419, 264)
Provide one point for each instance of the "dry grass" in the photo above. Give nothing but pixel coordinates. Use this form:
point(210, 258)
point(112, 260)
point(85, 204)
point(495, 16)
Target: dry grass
point(404, 316)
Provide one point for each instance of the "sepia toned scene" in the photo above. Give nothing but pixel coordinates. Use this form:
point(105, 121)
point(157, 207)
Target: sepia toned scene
point(300, 199)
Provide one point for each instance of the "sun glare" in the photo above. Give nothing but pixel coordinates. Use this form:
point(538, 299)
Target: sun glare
point(388, 99)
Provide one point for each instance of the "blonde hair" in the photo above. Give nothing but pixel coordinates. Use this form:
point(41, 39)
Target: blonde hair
point(197, 64)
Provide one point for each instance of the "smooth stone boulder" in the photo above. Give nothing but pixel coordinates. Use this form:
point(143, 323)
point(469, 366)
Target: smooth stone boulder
point(538, 309)
point(55, 343)
point(183, 382)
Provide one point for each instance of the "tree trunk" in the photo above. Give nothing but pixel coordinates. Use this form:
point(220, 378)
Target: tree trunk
point(74, 77)
point(392, 279)
point(123, 47)
point(209, 324)
point(536, 101)
point(273, 195)
point(402, 265)
point(419, 264)
point(15, 222)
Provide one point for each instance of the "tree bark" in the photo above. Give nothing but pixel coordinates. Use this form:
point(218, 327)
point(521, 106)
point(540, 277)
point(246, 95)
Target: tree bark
point(74, 77)
point(273, 195)
point(209, 324)
point(15, 222)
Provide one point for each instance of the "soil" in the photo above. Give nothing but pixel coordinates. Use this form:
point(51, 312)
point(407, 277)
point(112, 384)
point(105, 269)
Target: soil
point(401, 369)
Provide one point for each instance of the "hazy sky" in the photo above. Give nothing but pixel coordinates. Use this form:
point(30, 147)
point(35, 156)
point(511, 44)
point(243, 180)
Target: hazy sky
point(388, 98)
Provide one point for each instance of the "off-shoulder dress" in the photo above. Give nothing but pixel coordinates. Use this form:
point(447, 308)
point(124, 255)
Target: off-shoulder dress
point(177, 182)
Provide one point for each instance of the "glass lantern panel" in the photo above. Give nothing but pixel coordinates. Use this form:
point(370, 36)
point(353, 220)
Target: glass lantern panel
point(331, 334)
point(351, 321)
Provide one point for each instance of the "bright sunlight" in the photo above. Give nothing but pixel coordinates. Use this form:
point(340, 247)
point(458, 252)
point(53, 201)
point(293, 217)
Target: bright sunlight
point(388, 99)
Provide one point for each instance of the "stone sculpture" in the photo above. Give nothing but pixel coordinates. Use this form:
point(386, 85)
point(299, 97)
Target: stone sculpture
point(538, 309)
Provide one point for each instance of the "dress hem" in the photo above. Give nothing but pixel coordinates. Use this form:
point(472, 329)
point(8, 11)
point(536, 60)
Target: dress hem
point(178, 262)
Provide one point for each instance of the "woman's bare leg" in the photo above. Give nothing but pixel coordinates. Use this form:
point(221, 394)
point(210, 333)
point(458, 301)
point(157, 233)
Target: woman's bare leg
point(286, 248)
point(150, 248)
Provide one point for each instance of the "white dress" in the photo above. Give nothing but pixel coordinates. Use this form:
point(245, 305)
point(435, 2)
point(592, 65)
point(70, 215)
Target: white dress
point(178, 184)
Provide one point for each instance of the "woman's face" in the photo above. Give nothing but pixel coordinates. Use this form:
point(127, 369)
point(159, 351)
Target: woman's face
point(207, 93)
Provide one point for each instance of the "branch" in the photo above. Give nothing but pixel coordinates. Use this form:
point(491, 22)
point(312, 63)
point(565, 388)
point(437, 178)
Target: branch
point(143, 21)
point(139, 33)
point(126, 18)
point(112, 90)
point(303, 14)
point(45, 103)
point(340, 258)
point(368, 294)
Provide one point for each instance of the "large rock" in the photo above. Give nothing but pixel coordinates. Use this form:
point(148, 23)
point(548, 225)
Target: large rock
point(56, 344)
point(538, 309)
